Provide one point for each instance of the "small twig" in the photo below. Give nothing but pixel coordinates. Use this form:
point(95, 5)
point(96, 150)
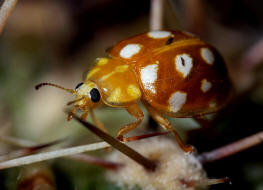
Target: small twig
point(5, 11)
point(36, 176)
point(28, 150)
point(231, 149)
point(156, 15)
point(204, 182)
point(194, 16)
point(96, 161)
point(29, 147)
point(52, 154)
point(16, 141)
point(137, 157)
point(60, 153)
point(253, 56)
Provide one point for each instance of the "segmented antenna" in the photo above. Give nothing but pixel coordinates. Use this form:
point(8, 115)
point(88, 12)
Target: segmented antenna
point(55, 85)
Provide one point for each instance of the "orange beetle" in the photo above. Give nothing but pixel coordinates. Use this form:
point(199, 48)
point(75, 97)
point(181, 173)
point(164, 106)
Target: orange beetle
point(170, 72)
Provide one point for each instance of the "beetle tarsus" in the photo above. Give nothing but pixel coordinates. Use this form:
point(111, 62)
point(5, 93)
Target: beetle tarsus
point(70, 116)
point(121, 138)
point(184, 147)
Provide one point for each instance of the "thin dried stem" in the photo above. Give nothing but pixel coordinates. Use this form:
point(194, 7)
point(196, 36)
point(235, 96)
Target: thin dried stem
point(28, 145)
point(60, 153)
point(204, 182)
point(16, 141)
point(5, 11)
point(156, 15)
point(52, 154)
point(36, 177)
point(131, 153)
point(231, 149)
point(28, 150)
point(96, 161)
point(253, 56)
point(194, 16)
point(13, 154)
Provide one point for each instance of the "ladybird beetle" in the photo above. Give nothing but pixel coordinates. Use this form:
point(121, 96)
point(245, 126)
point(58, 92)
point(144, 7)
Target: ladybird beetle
point(171, 72)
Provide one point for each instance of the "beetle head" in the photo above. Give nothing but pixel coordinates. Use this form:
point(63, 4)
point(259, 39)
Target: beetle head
point(87, 94)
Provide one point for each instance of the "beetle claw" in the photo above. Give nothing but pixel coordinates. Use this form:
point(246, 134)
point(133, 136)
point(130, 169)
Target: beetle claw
point(121, 138)
point(70, 116)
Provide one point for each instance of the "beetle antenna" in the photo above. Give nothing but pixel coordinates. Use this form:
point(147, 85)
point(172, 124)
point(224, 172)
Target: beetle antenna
point(55, 85)
point(74, 101)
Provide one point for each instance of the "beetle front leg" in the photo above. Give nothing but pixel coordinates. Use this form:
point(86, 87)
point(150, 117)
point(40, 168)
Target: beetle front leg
point(97, 122)
point(71, 113)
point(135, 111)
point(84, 115)
point(167, 126)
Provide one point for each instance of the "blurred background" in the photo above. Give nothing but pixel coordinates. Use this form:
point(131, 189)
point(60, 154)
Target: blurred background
point(57, 40)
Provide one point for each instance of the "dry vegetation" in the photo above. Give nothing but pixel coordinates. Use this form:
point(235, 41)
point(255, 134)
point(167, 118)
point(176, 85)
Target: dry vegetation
point(58, 40)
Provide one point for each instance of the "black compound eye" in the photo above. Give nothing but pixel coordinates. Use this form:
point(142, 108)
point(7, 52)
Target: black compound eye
point(95, 95)
point(81, 83)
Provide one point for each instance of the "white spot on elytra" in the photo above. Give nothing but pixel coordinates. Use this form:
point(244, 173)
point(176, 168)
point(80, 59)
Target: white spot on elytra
point(184, 64)
point(205, 85)
point(129, 50)
point(208, 56)
point(149, 76)
point(177, 100)
point(159, 34)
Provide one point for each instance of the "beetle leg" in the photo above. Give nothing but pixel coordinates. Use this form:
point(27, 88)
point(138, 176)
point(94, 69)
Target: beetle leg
point(135, 111)
point(97, 122)
point(202, 121)
point(167, 126)
point(84, 115)
point(71, 113)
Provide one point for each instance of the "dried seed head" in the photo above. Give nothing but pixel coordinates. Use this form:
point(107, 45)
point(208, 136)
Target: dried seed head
point(174, 167)
point(36, 177)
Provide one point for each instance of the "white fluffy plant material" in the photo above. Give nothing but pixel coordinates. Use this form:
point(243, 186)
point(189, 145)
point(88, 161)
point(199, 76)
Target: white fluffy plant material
point(175, 168)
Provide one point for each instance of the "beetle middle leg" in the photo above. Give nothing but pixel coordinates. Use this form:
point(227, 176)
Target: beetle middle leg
point(135, 111)
point(167, 126)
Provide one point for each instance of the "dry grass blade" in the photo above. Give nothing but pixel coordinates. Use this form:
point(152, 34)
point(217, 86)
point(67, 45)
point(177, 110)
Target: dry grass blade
point(156, 17)
point(231, 149)
point(195, 16)
point(36, 177)
point(204, 182)
point(96, 161)
point(5, 11)
point(254, 56)
point(16, 141)
point(52, 154)
point(146, 163)
point(25, 160)
point(28, 150)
